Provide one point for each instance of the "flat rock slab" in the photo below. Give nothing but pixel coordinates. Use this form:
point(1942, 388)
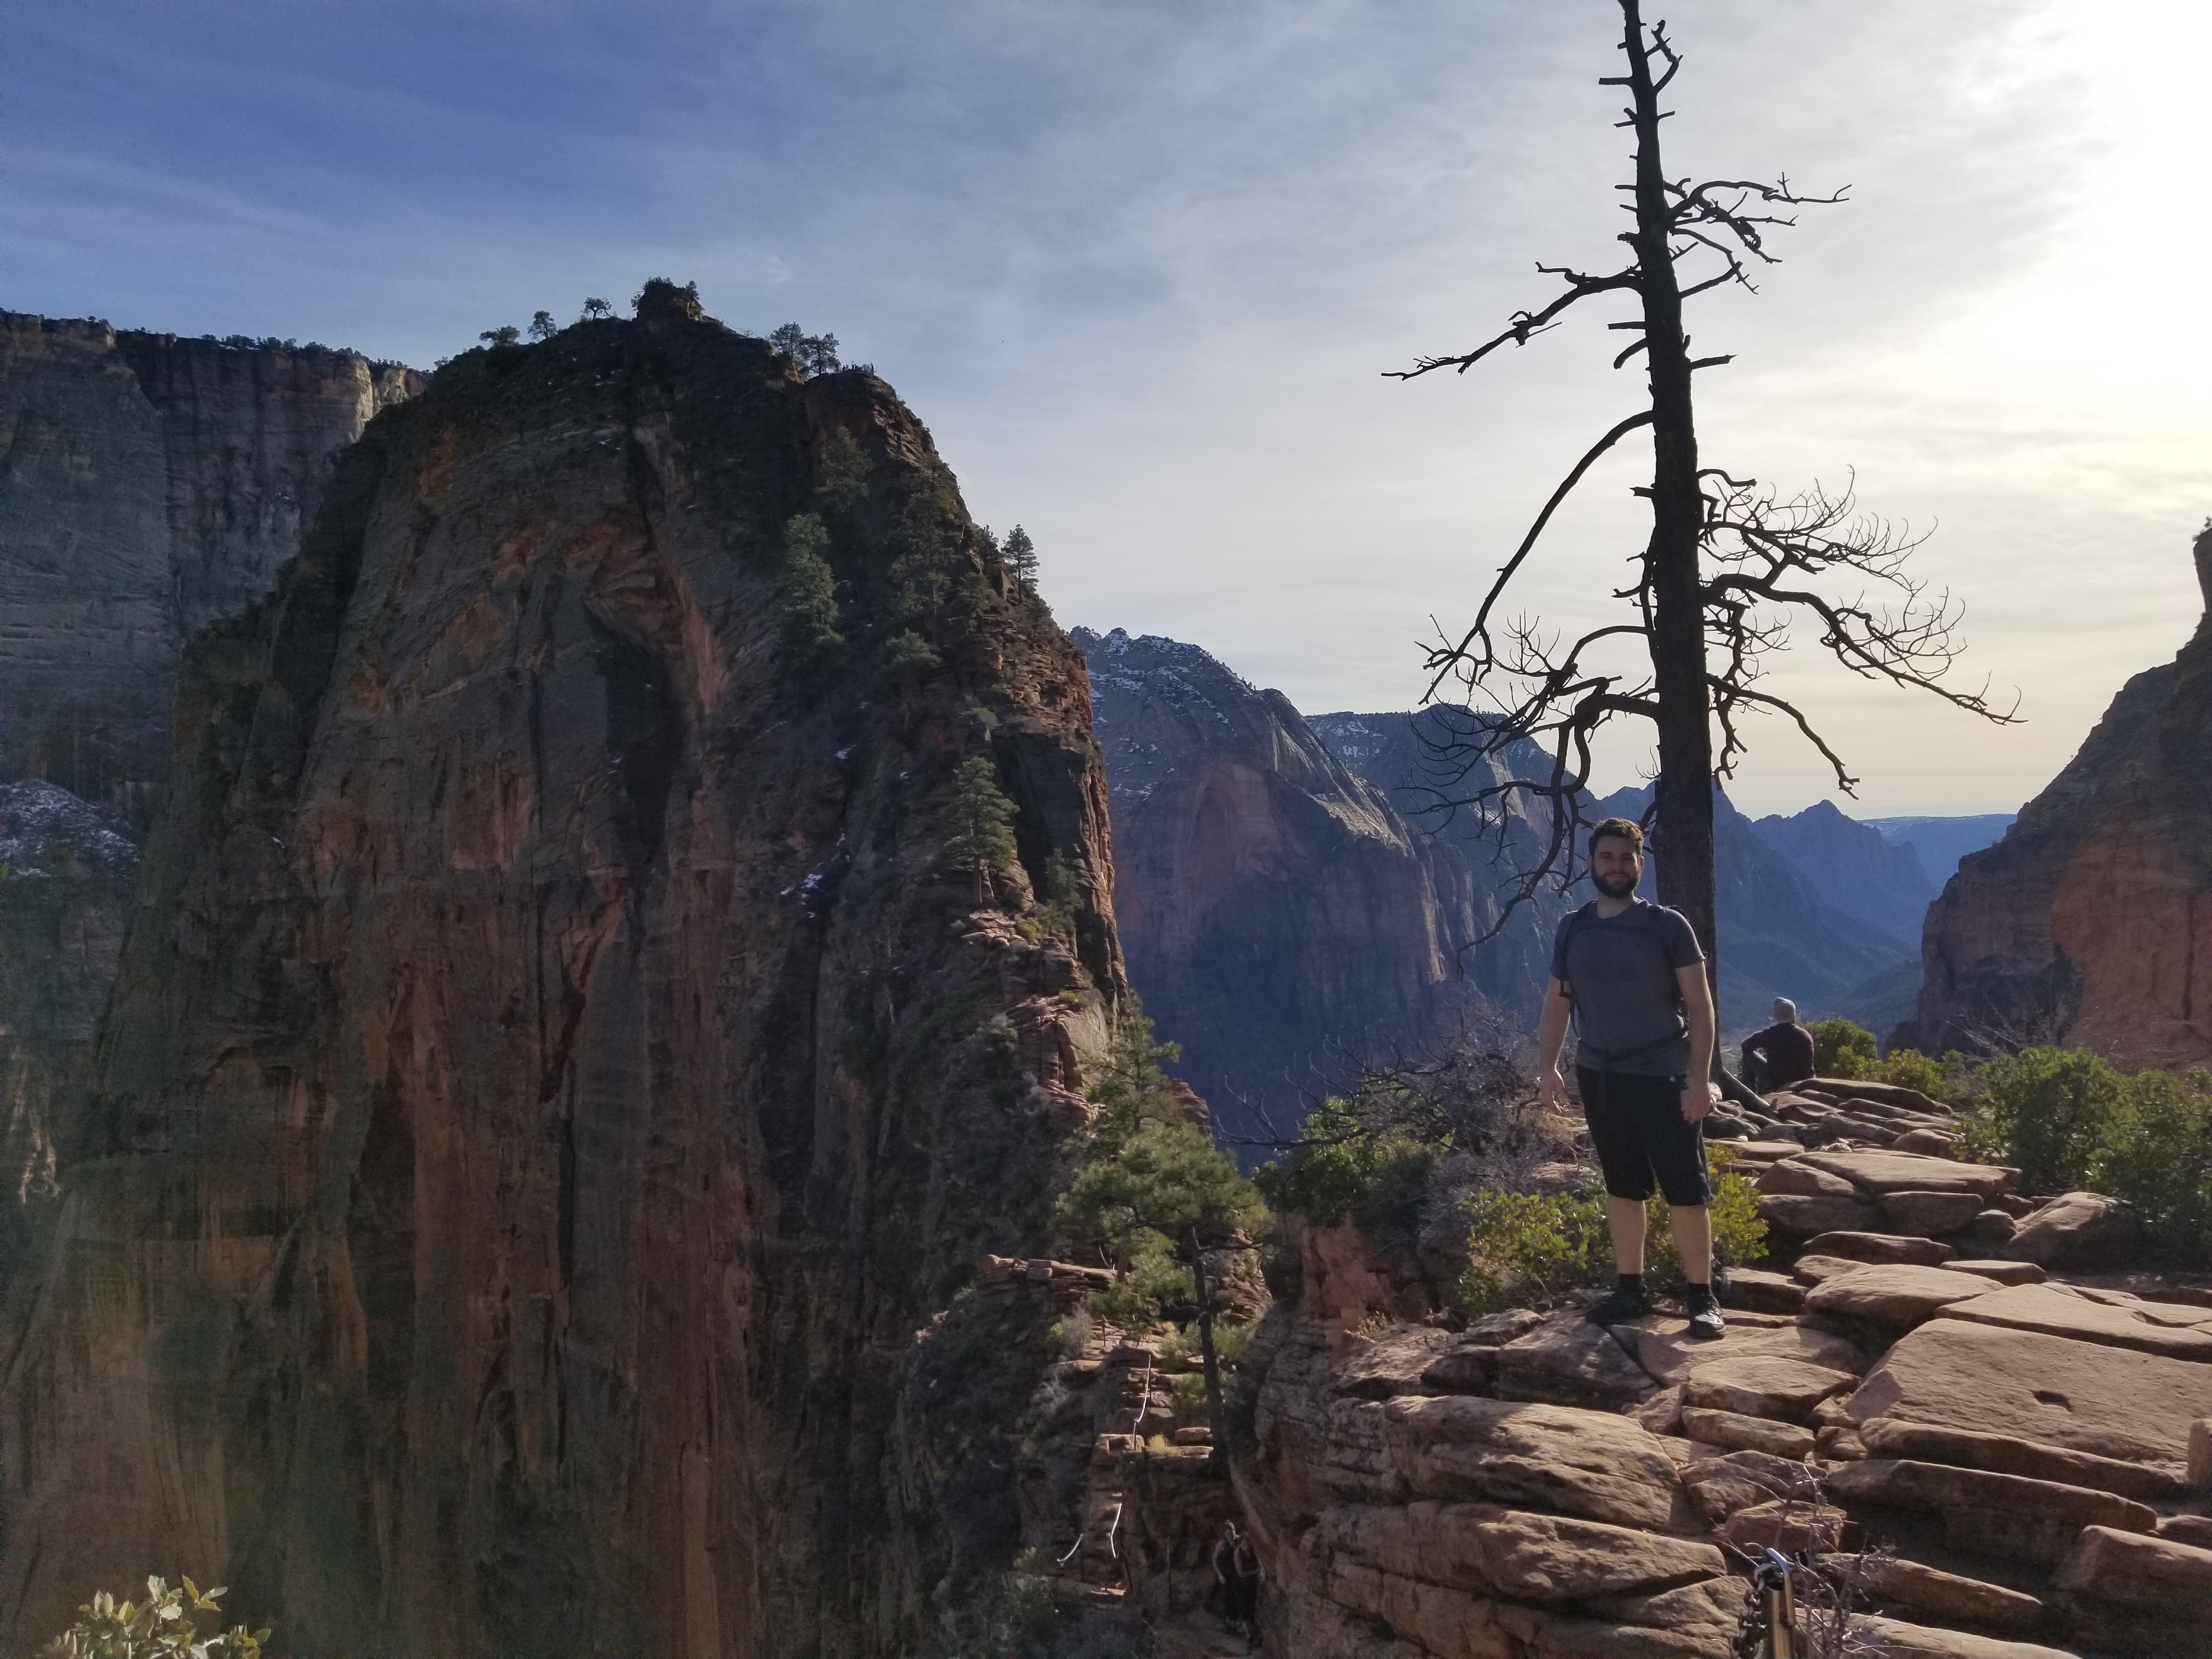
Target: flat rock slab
point(1908, 1485)
point(1764, 1385)
point(1595, 1465)
point(1795, 1528)
point(1568, 1361)
point(1495, 1551)
point(2147, 1483)
point(1909, 1172)
point(2027, 1385)
point(1948, 1595)
point(1793, 1174)
point(1664, 1350)
point(1894, 1295)
point(1389, 1364)
point(1758, 1292)
point(1881, 1247)
point(1803, 1215)
point(2060, 1312)
point(1932, 1214)
point(1810, 1269)
point(1734, 1431)
point(2004, 1273)
point(1898, 1640)
point(2122, 1567)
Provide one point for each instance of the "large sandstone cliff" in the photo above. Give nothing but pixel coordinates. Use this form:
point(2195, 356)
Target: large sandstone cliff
point(149, 484)
point(556, 1069)
point(2091, 922)
point(1283, 923)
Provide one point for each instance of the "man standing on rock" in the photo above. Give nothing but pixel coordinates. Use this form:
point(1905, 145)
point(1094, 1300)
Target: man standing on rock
point(1783, 1051)
point(1632, 978)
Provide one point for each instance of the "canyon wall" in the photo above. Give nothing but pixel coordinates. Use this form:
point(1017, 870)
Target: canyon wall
point(561, 1063)
point(149, 484)
point(1283, 923)
point(2091, 922)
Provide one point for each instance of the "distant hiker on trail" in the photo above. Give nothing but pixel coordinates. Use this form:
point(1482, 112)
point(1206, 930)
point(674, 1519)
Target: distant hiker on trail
point(1632, 978)
point(1236, 1592)
point(1782, 1054)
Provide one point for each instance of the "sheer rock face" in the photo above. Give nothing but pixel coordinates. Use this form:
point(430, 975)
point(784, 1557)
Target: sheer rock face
point(2091, 922)
point(1282, 920)
point(149, 485)
point(554, 1074)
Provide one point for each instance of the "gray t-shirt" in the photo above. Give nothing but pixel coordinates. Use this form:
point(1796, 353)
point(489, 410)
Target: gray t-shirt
point(1619, 971)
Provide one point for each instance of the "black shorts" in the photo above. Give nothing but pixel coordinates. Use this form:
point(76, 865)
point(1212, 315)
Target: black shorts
point(1636, 1124)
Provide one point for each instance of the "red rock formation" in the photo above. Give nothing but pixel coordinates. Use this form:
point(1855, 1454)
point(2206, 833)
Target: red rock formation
point(2091, 922)
point(554, 1073)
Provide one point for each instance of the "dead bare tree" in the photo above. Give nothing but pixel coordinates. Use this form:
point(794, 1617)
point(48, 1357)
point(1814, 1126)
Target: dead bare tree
point(1729, 566)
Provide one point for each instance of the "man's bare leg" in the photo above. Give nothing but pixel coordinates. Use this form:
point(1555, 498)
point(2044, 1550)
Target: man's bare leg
point(1625, 1220)
point(1693, 1241)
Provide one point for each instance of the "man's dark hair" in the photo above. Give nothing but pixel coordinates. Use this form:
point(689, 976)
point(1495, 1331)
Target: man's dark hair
point(1626, 830)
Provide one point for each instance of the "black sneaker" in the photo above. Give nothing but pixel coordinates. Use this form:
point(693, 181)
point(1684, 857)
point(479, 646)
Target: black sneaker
point(1705, 1319)
point(1617, 1306)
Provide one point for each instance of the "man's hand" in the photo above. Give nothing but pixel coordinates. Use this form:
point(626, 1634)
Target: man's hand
point(1551, 1089)
point(1698, 1099)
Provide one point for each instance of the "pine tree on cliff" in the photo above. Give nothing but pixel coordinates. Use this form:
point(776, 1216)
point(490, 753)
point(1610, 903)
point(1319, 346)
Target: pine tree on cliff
point(1022, 558)
point(1728, 566)
point(982, 838)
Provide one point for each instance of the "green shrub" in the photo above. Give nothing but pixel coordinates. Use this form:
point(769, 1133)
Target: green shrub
point(1524, 1247)
point(1842, 1049)
point(1363, 1178)
point(1909, 1068)
point(2157, 1155)
point(165, 1626)
point(2048, 1111)
point(809, 591)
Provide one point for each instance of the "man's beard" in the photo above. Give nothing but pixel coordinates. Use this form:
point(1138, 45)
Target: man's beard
point(1613, 886)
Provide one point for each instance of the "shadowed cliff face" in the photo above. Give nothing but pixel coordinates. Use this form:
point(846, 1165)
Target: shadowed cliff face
point(552, 1076)
point(147, 486)
point(1282, 922)
point(2091, 922)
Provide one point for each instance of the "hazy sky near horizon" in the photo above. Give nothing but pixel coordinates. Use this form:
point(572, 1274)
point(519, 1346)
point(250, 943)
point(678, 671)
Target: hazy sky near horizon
point(1140, 267)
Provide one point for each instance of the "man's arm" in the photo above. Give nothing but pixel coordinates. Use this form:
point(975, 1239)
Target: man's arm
point(1550, 1037)
point(1697, 1090)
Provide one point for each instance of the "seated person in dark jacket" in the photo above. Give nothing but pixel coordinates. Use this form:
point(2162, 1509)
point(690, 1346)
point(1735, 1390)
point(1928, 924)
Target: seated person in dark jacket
point(1780, 1054)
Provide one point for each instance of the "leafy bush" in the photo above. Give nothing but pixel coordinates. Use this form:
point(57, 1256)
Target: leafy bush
point(165, 1626)
point(1842, 1049)
point(1911, 1069)
point(2157, 1155)
point(2050, 1110)
point(1525, 1248)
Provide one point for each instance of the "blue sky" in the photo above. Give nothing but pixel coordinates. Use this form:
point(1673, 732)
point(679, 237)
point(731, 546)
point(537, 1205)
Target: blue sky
point(1139, 264)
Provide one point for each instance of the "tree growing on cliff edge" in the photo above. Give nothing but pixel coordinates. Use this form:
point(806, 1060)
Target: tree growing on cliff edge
point(1729, 565)
point(1022, 558)
point(983, 836)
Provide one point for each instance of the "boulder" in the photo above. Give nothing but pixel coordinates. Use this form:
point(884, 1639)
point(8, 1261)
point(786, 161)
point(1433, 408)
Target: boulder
point(1904, 1172)
point(2004, 1273)
point(1930, 1214)
point(1810, 1269)
point(2120, 1567)
point(2027, 1385)
point(1734, 1431)
point(1893, 1296)
point(1568, 1361)
point(1392, 1363)
point(1793, 1528)
point(1894, 1639)
point(1595, 1465)
point(1662, 1414)
point(1496, 1330)
point(1765, 1385)
point(1887, 1094)
point(2082, 1232)
point(1900, 1582)
point(2188, 1529)
point(1496, 1551)
point(1881, 1247)
point(2147, 1483)
point(1758, 1292)
point(1990, 1230)
point(1803, 1215)
point(1928, 1143)
point(2057, 1311)
point(1795, 1175)
point(1670, 1356)
point(1741, 1479)
point(1464, 1368)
